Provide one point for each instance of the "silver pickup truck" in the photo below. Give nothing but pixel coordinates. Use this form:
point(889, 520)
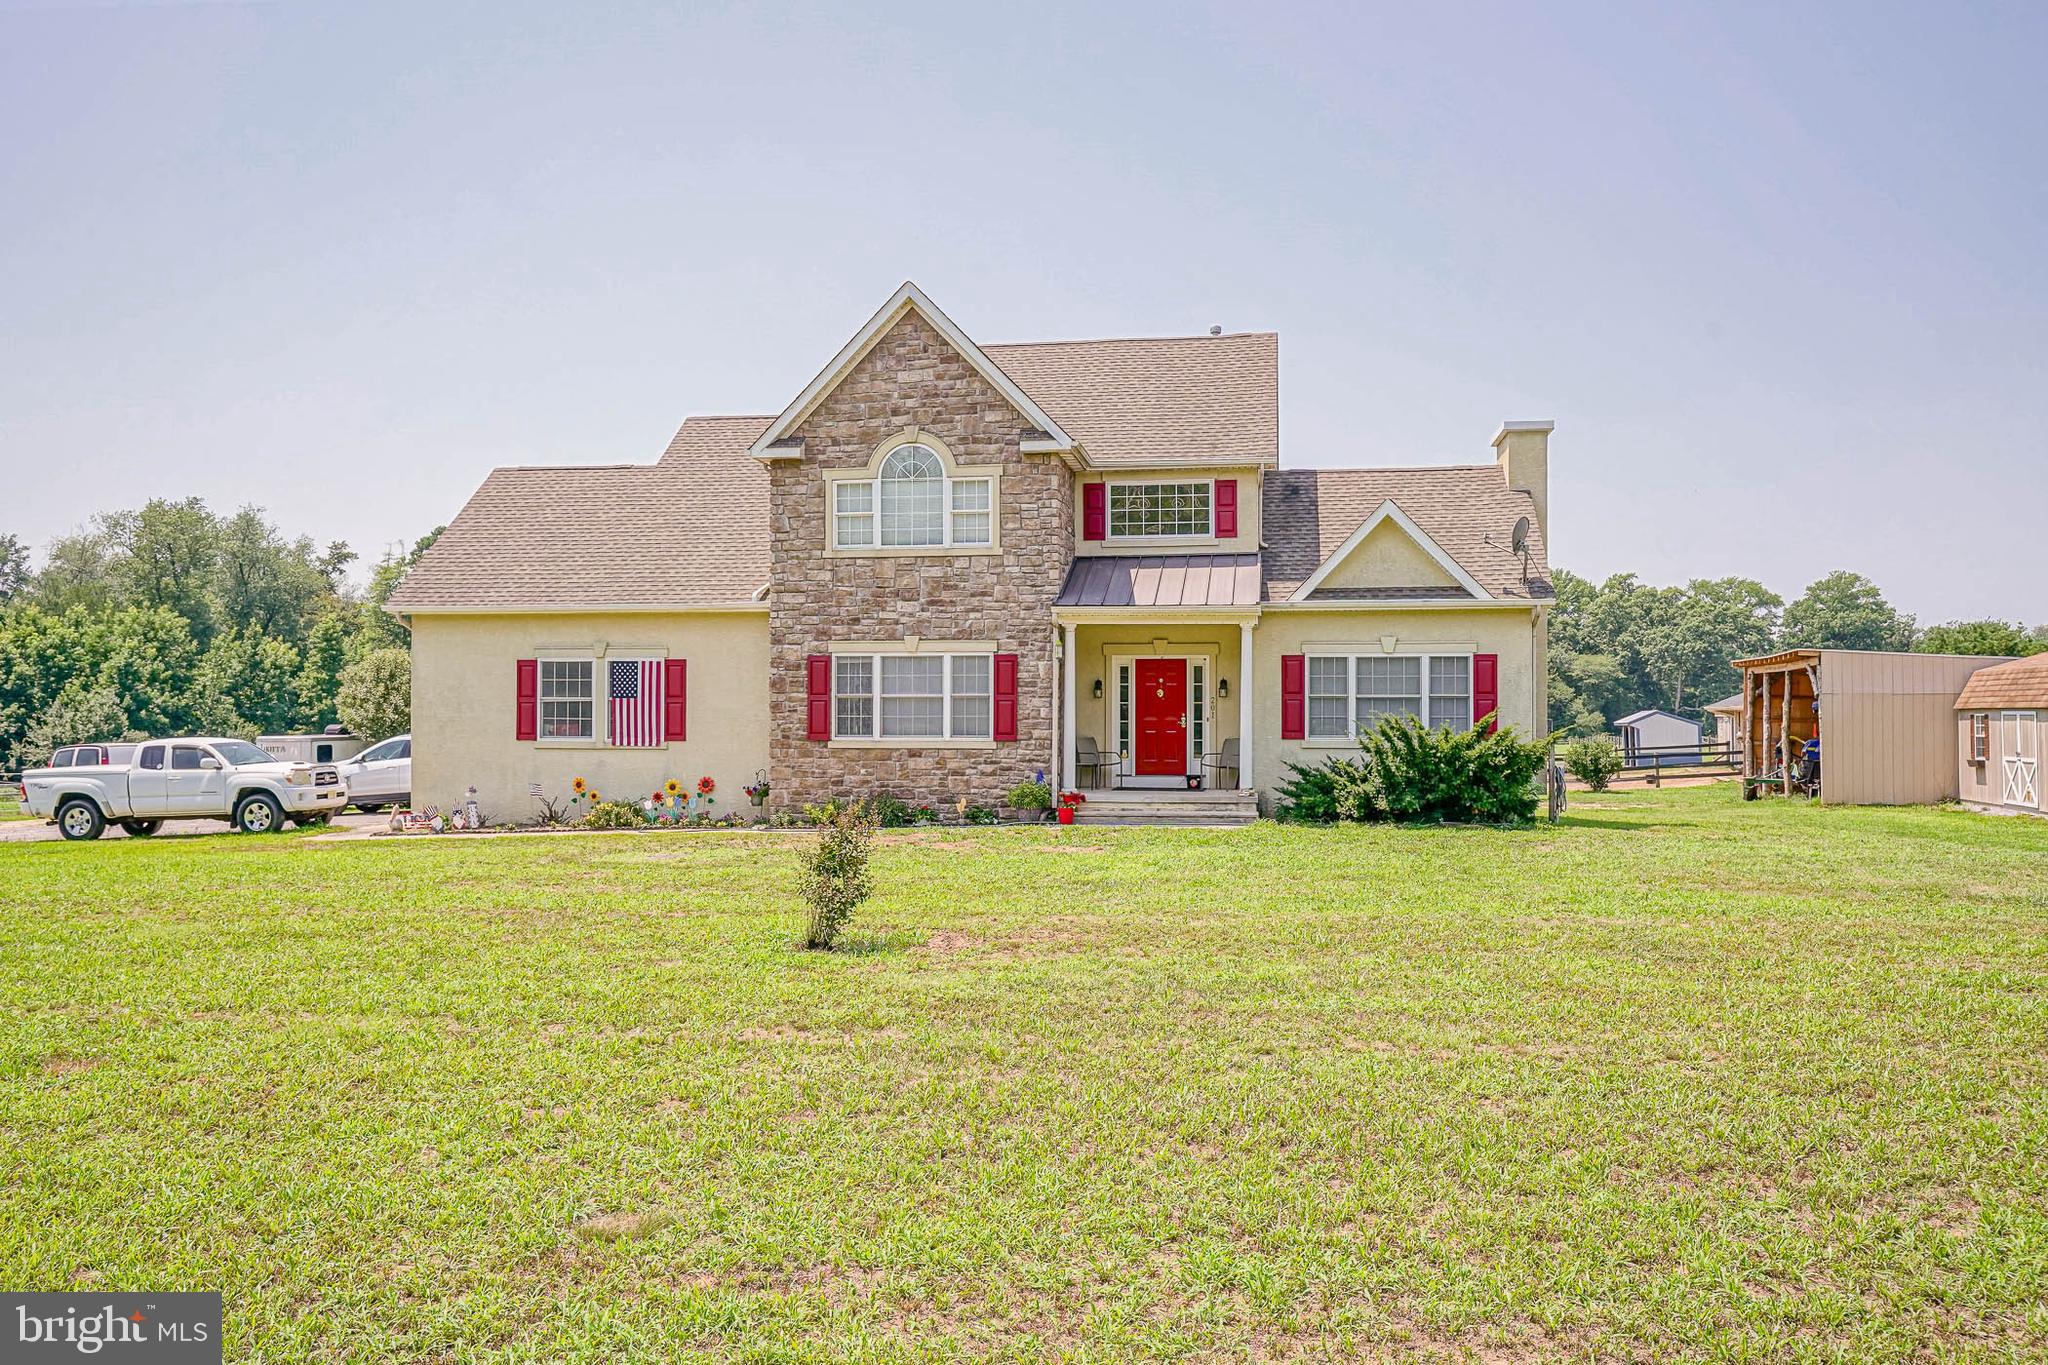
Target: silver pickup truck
point(185, 779)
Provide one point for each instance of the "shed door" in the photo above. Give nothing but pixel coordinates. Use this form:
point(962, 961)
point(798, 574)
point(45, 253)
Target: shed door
point(2020, 760)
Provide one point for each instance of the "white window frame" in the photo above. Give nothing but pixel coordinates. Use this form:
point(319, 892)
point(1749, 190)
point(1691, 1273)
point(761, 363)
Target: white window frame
point(1351, 657)
point(541, 699)
point(600, 736)
point(1112, 487)
point(1980, 737)
point(950, 479)
point(948, 693)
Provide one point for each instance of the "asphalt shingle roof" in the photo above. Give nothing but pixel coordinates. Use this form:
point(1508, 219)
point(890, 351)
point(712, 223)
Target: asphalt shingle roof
point(689, 531)
point(1156, 400)
point(2023, 683)
point(1309, 513)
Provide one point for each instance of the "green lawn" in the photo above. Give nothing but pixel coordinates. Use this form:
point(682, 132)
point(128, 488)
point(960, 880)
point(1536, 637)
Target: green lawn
point(1683, 1078)
point(10, 803)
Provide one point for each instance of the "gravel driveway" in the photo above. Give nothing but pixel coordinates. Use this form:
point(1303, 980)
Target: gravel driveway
point(31, 831)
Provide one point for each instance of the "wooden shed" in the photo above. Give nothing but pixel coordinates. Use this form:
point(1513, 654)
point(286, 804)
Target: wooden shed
point(1886, 721)
point(2001, 723)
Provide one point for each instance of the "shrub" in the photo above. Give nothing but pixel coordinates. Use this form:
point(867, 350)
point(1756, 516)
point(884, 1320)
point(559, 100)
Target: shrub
point(890, 812)
point(924, 815)
point(825, 814)
point(614, 815)
point(373, 696)
point(978, 815)
point(1030, 796)
point(1435, 775)
point(1593, 761)
point(835, 875)
point(1337, 789)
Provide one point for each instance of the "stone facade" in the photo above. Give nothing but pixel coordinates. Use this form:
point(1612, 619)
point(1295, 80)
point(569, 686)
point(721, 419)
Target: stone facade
point(913, 378)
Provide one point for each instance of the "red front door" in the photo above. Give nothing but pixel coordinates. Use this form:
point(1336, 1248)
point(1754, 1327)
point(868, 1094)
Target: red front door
point(1161, 719)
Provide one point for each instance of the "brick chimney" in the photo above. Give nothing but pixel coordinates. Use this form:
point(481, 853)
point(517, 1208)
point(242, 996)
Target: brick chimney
point(1523, 453)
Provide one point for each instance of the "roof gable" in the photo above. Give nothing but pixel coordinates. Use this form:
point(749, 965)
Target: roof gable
point(1467, 511)
point(1379, 564)
point(772, 443)
point(1383, 553)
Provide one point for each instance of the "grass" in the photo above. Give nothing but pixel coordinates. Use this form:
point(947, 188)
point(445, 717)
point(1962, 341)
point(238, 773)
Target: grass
point(10, 803)
point(1682, 1079)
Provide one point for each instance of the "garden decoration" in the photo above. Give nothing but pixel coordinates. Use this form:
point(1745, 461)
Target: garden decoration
point(757, 791)
point(1069, 803)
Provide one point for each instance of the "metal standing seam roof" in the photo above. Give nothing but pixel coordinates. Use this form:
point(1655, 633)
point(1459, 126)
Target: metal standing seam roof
point(1161, 581)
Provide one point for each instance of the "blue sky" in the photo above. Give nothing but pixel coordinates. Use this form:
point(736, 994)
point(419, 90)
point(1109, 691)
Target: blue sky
point(1777, 272)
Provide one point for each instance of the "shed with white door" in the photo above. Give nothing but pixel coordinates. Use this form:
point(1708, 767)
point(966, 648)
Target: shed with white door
point(1885, 721)
point(1652, 738)
point(2001, 734)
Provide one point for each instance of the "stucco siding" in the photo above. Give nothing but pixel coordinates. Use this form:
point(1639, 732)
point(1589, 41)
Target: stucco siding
point(1389, 558)
point(465, 700)
point(1517, 637)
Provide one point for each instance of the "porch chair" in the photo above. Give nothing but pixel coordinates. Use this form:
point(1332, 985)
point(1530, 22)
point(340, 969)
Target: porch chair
point(1223, 761)
point(1088, 758)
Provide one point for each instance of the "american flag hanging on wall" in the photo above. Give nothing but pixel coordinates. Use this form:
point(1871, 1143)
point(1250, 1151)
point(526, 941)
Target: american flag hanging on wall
point(635, 703)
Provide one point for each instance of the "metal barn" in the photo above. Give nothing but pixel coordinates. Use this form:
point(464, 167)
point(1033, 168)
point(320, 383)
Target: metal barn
point(1886, 721)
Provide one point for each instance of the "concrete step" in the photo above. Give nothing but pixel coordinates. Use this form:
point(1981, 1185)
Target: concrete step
point(1168, 808)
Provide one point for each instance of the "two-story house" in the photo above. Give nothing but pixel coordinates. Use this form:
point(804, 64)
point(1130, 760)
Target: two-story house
point(946, 567)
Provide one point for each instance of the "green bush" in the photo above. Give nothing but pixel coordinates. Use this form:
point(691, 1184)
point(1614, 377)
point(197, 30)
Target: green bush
point(1030, 796)
point(614, 815)
point(889, 812)
point(835, 875)
point(979, 815)
point(1434, 775)
point(1336, 789)
point(825, 814)
point(1593, 761)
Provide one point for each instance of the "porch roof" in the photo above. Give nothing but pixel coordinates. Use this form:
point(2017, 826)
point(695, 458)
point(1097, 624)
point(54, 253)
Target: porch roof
point(1162, 581)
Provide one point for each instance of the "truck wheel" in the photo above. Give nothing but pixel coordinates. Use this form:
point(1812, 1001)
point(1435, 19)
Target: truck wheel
point(141, 829)
point(79, 818)
point(258, 813)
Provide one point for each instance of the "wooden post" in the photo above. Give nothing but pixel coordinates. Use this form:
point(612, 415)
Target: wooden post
point(1785, 735)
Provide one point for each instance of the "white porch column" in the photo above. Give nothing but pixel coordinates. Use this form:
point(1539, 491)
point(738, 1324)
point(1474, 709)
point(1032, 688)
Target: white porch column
point(1245, 710)
point(1069, 779)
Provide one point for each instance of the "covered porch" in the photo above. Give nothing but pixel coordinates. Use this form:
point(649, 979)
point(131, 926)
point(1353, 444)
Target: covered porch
point(1156, 691)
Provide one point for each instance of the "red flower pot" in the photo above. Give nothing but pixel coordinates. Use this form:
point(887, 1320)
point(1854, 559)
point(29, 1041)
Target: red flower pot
point(1066, 815)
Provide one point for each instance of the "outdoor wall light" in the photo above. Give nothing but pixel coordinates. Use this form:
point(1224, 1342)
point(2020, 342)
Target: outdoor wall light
point(1222, 688)
point(1098, 689)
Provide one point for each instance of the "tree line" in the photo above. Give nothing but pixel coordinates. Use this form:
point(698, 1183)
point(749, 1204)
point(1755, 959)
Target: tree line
point(1621, 645)
point(174, 619)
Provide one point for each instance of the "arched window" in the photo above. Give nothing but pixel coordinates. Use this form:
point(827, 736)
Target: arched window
point(913, 497)
point(911, 503)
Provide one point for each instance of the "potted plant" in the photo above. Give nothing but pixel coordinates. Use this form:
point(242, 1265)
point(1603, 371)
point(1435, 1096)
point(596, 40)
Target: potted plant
point(1031, 800)
point(1069, 803)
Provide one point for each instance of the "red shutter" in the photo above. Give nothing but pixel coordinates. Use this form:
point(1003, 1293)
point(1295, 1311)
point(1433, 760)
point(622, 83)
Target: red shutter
point(1486, 690)
point(527, 726)
point(1006, 698)
point(1293, 696)
point(1095, 511)
point(675, 699)
point(819, 666)
point(1226, 507)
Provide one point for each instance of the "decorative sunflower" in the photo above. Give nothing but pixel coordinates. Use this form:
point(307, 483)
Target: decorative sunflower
point(594, 797)
point(673, 787)
point(706, 786)
point(576, 785)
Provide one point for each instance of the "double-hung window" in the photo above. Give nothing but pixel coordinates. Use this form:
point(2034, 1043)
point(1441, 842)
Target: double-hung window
point(911, 696)
point(1980, 737)
point(912, 504)
point(1153, 511)
point(1348, 693)
point(568, 705)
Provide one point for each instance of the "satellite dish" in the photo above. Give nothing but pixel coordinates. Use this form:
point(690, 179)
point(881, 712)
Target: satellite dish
point(1519, 541)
